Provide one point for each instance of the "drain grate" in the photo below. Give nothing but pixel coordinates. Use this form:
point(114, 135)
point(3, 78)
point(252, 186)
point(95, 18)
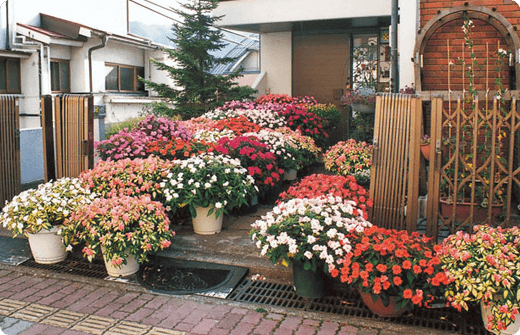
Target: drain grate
point(349, 303)
point(73, 265)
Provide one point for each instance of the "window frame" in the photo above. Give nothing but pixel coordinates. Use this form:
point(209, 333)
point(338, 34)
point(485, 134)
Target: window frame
point(59, 61)
point(135, 83)
point(7, 90)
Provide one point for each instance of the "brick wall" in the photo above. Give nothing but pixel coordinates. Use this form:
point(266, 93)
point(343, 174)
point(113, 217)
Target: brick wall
point(436, 60)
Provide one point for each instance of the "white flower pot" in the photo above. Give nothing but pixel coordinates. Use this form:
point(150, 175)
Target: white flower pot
point(207, 225)
point(363, 109)
point(47, 246)
point(513, 328)
point(290, 175)
point(123, 270)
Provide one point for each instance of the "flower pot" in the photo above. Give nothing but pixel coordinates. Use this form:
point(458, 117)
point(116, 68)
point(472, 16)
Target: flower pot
point(308, 283)
point(463, 210)
point(513, 328)
point(378, 308)
point(123, 270)
point(290, 175)
point(47, 246)
point(205, 224)
point(425, 150)
point(363, 109)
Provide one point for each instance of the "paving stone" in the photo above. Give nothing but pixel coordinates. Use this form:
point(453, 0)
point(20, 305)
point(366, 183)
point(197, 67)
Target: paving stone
point(128, 328)
point(274, 316)
point(162, 331)
point(12, 326)
point(64, 318)
point(8, 306)
point(230, 321)
point(265, 327)
point(94, 324)
point(33, 312)
point(204, 326)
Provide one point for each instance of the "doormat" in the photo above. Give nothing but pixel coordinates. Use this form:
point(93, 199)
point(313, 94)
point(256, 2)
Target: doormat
point(177, 276)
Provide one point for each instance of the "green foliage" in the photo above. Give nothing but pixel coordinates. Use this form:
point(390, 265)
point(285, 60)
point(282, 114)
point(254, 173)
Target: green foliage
point(115, 128)
point(199, 91)
point(160, 109)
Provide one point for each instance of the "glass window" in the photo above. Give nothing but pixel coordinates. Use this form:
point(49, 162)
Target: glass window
point(123, 78)
point(127, 78)
point(60, 74)
point(365, 61)
point(111, 78)
point(3, 78)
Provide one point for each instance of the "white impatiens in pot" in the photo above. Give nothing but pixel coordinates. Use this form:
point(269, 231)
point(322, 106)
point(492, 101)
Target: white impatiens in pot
point(208, 180)
point(309, 231)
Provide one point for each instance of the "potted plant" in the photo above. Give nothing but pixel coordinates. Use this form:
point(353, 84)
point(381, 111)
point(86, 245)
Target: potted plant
point(318, 185)
point(39, 214)
point(125, 229)
point(350, 157)
point(362, 100)
point(308, 123)
point(210, 185)
point(284, 148)
point(425, 146)
point(483, 268)
point(308, 150)
point(392, 270)
point(311, 234)
point(255, 156)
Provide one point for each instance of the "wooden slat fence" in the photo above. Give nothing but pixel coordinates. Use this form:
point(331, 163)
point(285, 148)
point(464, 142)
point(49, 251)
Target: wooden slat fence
point(73, 135)
point(10, 177)
point(394, 181)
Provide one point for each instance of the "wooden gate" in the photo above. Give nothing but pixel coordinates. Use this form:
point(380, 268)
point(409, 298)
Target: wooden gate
point(394, 180)
point(472, 173)
point(69, 145)
point(10, 178)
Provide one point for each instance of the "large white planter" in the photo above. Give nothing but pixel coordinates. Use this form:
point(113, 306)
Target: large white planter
point(290, 175)
point(47, 246)
point(123, 270)
point(205, 224)
point(513, 328)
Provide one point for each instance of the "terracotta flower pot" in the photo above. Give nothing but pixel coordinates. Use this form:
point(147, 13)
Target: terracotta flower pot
point(463, 210)
point(378, 308)
point(425, 149)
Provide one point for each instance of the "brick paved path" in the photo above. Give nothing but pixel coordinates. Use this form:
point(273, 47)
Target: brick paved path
point(40, 304)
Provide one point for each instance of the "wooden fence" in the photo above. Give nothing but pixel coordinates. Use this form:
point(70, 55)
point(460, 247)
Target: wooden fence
point(9, 148)
point(72, 135)
point(394, 180)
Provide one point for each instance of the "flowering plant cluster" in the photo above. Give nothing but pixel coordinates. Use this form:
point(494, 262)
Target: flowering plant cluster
point(311, 231)
point(282, 99)
point(265, 118)
point(127, 177)
point(199, 123)
point(120, 226)
point(255, 157)
point(208, 180)
point(359, 97)
point(282, 146)
point(133, 143)
point(309, 124)
point(318, 185)
point(425, 139)
point(44, 207)
point(484, 266)
point(387, 262)
point(309, 151)
point(239, 125)
point(348, 157)
point(176, 148)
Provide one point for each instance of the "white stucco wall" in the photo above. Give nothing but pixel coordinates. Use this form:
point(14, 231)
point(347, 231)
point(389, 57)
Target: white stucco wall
point(275, 11)
point(408, 11)
point(30, 103)
point(276, 60)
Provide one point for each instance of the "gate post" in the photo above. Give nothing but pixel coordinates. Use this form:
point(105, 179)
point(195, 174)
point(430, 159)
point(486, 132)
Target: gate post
point(48, 138)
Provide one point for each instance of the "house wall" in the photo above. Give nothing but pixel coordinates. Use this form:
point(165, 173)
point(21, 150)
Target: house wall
point(450, 38)
point(257, 12)
point(30, 104)
point(276, 59)
point(408, 26)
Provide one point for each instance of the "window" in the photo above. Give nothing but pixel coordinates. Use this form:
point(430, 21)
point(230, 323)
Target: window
point(60, 75)
point(10, 75)
point(370, 62)
point(123, 78)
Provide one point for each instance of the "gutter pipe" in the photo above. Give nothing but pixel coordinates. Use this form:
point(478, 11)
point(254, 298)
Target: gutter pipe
point(394, 78)
point(104, 39)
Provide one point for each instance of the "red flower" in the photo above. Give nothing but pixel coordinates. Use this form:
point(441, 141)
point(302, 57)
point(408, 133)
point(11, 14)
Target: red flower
point(407, 265)
point(407, 294)
point(381, 268)
point(398, 281)
point(417, 269)
point(396, 269)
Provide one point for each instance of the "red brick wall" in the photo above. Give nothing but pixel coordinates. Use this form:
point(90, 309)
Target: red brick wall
point(436, 60)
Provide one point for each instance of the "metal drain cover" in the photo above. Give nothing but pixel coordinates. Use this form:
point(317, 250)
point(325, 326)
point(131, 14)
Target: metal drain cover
point(73, 265)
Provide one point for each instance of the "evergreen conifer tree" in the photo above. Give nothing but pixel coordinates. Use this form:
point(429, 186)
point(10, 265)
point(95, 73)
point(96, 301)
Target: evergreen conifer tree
point(197, 90)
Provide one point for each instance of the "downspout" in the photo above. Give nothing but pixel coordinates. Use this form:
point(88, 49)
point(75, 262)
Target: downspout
point(394, 78)
point(7, 36)
point(104, 39)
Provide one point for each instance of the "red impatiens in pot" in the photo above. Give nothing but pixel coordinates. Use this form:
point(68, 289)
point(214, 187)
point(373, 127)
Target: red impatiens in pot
point(394, 264)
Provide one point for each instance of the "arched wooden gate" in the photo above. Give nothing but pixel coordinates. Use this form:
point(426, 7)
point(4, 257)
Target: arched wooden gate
point(474, 118)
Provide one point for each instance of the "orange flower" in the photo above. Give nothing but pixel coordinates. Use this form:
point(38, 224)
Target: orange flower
point(407, 294)
point(407, 265)
point(398, 281)
point(381, 268)
point(396, 269)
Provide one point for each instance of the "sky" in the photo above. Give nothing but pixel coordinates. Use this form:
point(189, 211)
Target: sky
point(138, 13)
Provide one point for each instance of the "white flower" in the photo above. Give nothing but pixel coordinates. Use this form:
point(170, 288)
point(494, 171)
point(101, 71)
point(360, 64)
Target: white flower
point(218, 205)
point(308, 254)
point(69, 248)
